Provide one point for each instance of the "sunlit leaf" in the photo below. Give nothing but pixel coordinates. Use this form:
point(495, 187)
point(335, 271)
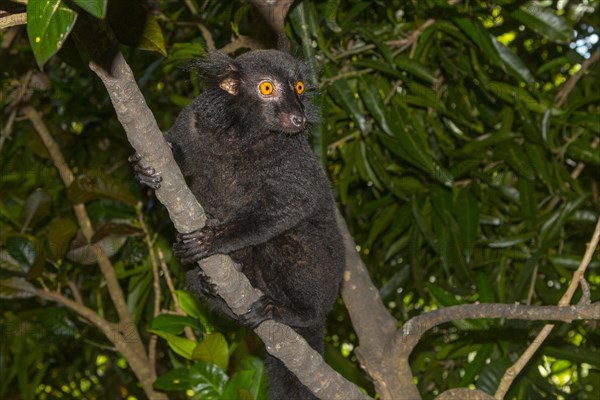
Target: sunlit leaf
point(544, 21)
point(49, 22)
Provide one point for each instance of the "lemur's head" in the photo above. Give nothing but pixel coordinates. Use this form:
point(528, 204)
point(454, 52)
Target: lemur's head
point(267, 90)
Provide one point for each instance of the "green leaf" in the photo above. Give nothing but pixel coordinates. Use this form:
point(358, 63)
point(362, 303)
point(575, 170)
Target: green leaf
point(383, 219)
point(60, 232)
point(27, 251)
point(183, 347)
point(574, 354)
point(528, 202)
point(36, 207)
point(513, 63)
point(249, 382)
point(485, 289)
point(415, 68)
point(82, 252)
point(584, 152)
point(441, 296)
point(476, 146)
point(192, 307)
point(516, 95)
point(510, 241)
point(373, 102)
point(473, 368)
point(97, 8)
point(96, 185)
point(207, 380)
point(173, 324)
point(411, 147)
point(481, 37)
point(551, 228)
point(152, 39)
point(331, 10)
point(213, 349)
point(134, 26)
point(8, 262)
point(344, 96)
point(377, 65)
point(366, 166)
point(451, 253)
point(177, 379)
point(544, 21)
point(467, 214)
point(49, 22)
point(419, 217)
point(515, 157)
point(15, 288)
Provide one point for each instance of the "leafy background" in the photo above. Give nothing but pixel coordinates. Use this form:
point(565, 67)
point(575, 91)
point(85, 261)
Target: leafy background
point(463, 171)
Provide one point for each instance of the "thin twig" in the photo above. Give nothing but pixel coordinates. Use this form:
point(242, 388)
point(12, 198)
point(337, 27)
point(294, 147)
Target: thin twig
point(75, 291)
point(163, 265)
point(13, 20)
point(512, 372)
point(153, 339)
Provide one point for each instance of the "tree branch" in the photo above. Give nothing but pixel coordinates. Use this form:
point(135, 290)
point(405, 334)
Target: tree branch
point(374, 325)
point(6, 21)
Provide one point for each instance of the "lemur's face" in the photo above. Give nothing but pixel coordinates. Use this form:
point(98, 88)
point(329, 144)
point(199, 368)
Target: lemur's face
point(270, 90)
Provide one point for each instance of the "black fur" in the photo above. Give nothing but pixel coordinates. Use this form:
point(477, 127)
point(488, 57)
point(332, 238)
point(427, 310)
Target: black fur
point(269, 202)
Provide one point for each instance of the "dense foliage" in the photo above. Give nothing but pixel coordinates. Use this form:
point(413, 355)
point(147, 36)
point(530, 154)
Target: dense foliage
point(461, 139)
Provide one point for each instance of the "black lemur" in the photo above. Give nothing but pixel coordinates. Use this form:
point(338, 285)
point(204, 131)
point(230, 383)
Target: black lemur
point(243, 146)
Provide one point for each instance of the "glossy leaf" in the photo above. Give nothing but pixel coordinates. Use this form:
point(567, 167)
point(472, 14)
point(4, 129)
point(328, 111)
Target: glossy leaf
point(36, 207)
point(513, 63)
point(344, 96)
point(183, 347)
point(134, 26)
point(16, 288)
point(544, 21)
point(49, 22)
point(331, 10)
point(373, 102)
point(213, 349)
point(95, 7)
point(173, 324)
point(415, 68)
point(176, 379)
point(207, 380)
point(27, 251)
point(467, 214)
point(60, 232)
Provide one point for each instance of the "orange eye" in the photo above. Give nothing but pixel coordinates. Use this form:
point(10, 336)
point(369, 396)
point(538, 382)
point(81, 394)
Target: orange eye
point(266, 88)
point(300, 87)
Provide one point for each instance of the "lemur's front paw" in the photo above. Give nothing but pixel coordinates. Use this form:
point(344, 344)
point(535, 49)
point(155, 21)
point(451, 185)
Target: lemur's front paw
point(261, 310)
point(206, 285)
point(194, 246)
point(146, 175)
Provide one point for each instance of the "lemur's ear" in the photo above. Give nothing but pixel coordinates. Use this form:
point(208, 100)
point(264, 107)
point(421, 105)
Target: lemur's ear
point(220, 70)
point(229, 85)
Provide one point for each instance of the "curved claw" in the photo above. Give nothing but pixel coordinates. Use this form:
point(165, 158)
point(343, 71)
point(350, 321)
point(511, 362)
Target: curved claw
point(145, 175)
point(194, 246)
point(261, 310)
point(206, 285)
